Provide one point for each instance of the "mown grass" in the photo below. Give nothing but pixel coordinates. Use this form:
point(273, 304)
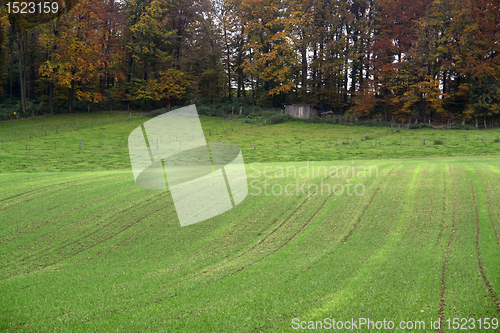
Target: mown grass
point(104, 142)
point(85, 249)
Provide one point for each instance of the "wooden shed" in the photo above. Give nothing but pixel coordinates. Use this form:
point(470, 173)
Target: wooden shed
point(302, 110)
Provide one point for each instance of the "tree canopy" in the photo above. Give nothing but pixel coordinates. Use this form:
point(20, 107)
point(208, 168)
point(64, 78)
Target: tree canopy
point(387, 59)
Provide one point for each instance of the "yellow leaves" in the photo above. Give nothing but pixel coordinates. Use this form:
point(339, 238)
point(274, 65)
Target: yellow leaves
point(93, 97)
point(282, 88)
point(170, 84)
point(469, 112)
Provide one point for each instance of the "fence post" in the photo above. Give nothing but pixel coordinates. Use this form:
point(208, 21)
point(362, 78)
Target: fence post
point(254, 146)
point(80, 144)
point(424, 140)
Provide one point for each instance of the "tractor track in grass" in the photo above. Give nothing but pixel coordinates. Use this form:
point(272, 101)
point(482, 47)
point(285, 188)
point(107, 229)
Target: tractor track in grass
point(166, 297)
point(20, 179)
point(161, 196)
point(355, 225)
point(138, 206)
point(246, 251)
point(358, 220)
point(158, 300)
point(489, 206)
point(100, 242)
point(441, 229)
point(479, 261)
point(296, 233)
point(259, 242)
point(442, 297)
point(101, 228)
point(42, 188)
point(36, 191)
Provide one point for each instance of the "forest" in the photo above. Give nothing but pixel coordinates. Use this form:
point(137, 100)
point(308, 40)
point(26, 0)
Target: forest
point(404, 60)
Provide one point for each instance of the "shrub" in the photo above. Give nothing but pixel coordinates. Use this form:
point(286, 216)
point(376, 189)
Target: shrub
point(438, 142)
point(462, 127)
point(372, 123)
point(420, 126)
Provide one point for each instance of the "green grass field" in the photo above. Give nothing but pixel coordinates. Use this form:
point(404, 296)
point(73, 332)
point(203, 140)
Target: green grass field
point(413, 238)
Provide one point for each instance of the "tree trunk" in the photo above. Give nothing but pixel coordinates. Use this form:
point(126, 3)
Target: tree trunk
point(11, 70)
point(22, 73)
point(304, 67)
point(71, 96)
point(51, 97)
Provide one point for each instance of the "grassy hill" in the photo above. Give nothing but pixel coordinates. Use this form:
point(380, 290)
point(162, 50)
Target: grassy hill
point(85, 249)
point(49, 144)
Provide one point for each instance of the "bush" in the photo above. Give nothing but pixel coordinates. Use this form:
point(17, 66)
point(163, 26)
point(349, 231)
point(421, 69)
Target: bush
point(497, 140)
point(155, 113)
point(462, 127)
point(279, 118)
point(420, 126)
point(373, 123)
point(438, 142)
point(318, 120)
